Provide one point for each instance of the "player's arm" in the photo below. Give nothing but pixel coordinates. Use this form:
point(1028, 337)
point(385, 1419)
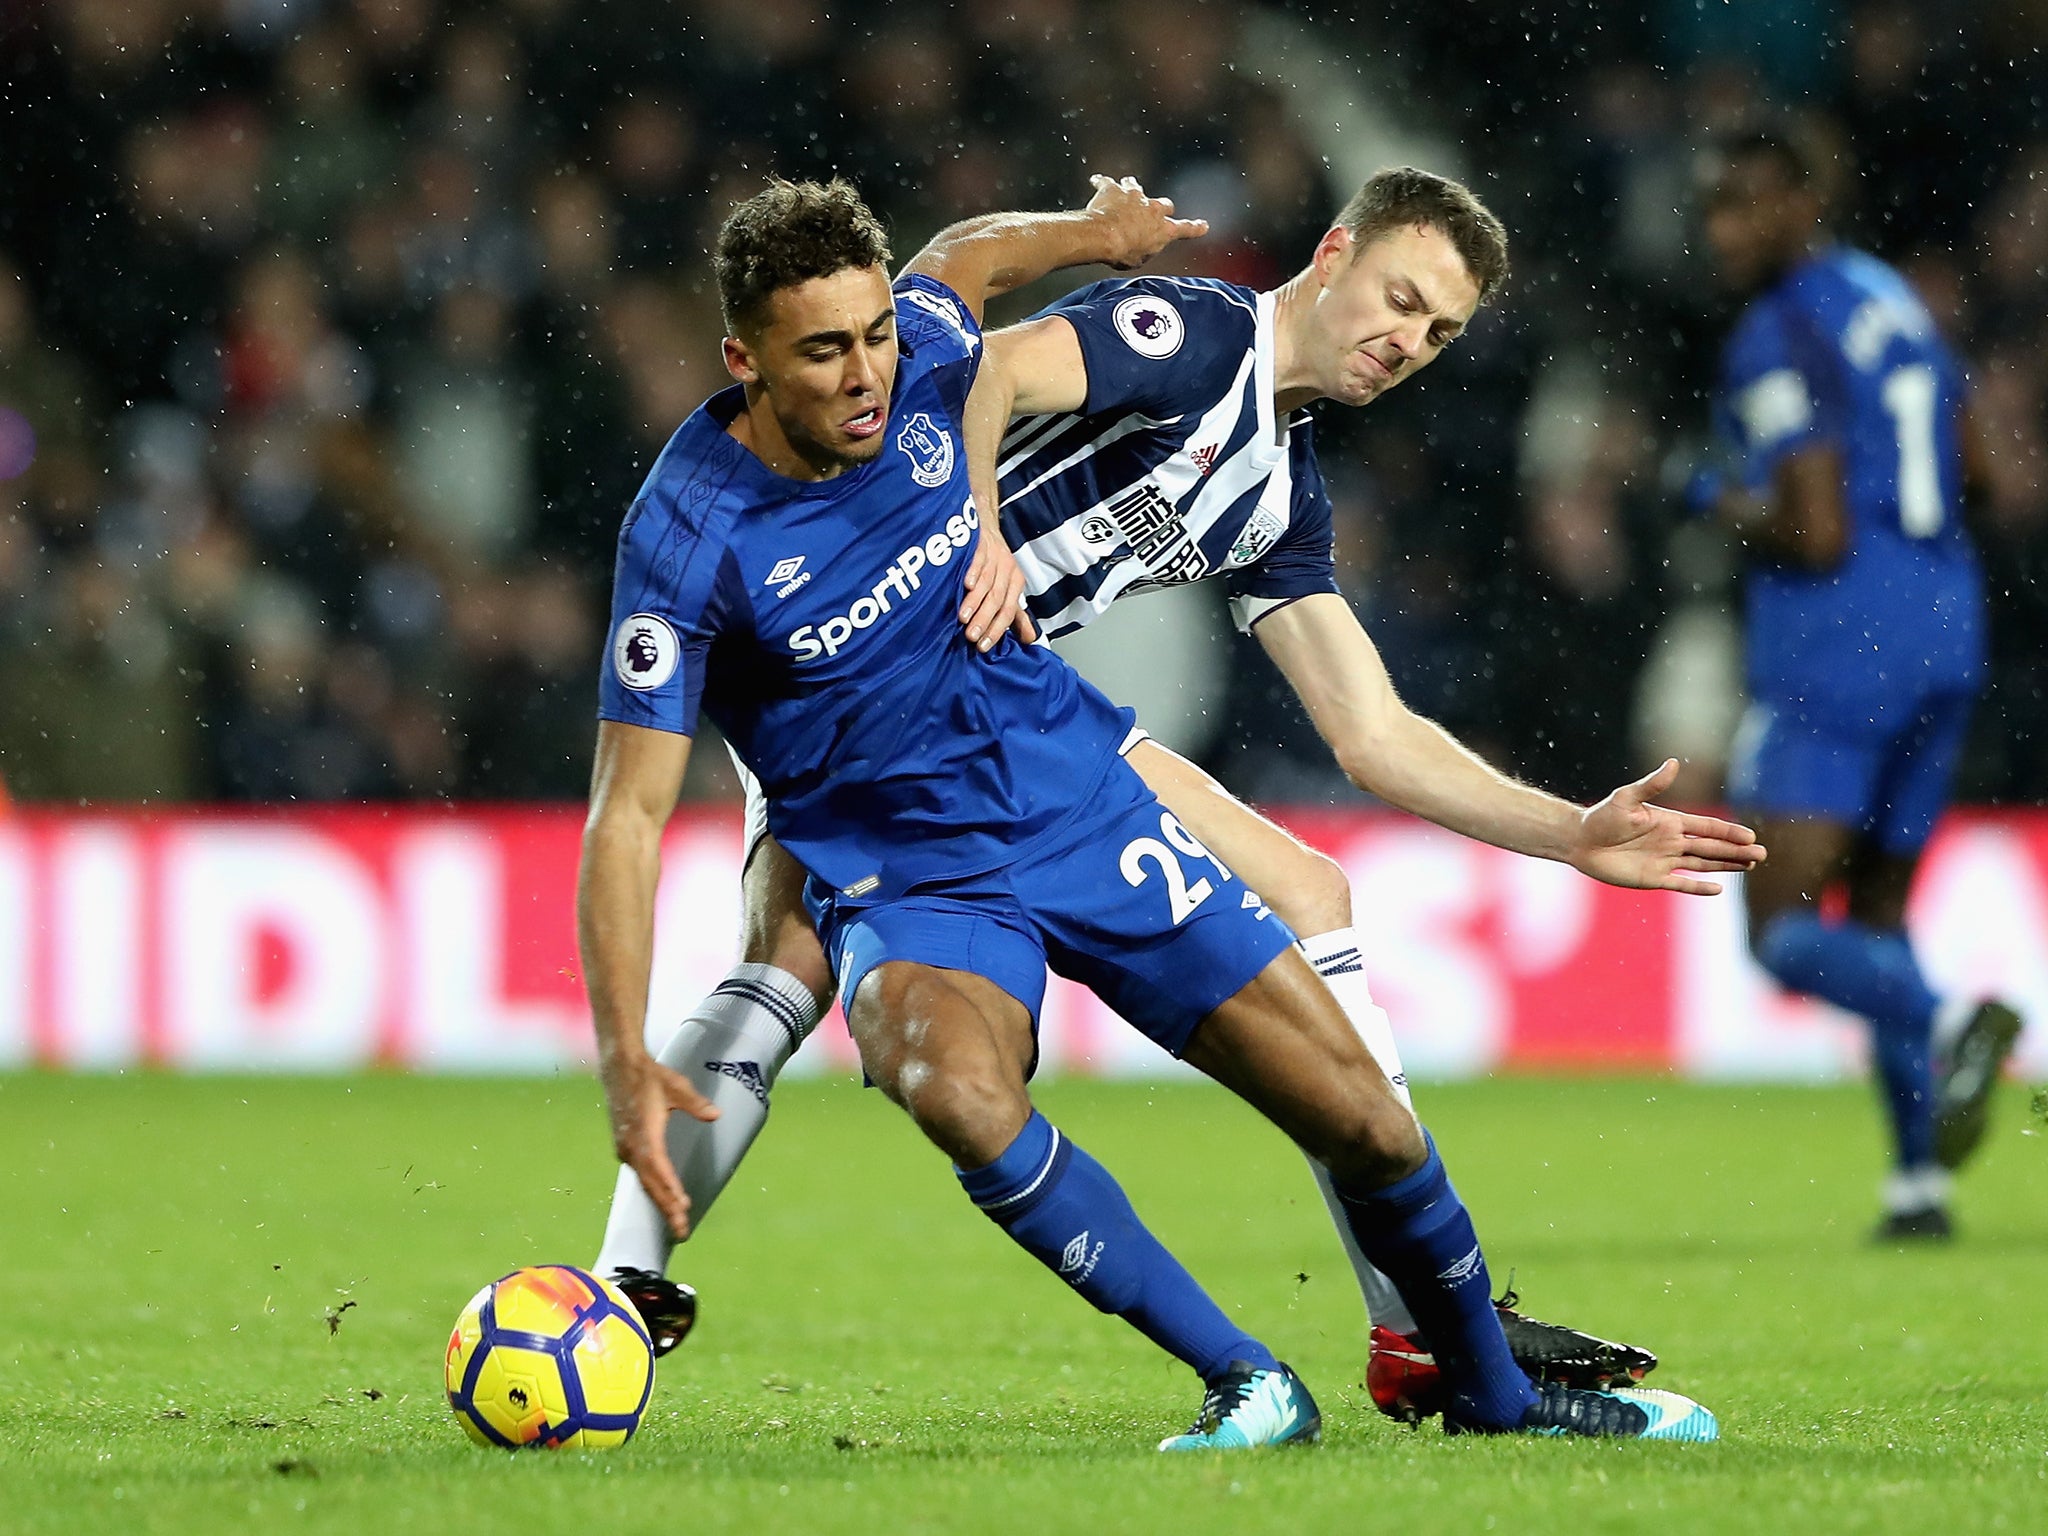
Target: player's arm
point(1801, 521)
point(634, 787)
point(1388, 750)
point(1027, 370)
point(1121, 227)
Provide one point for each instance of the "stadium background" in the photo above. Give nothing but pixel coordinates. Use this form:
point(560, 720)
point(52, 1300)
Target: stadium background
point(337, 335)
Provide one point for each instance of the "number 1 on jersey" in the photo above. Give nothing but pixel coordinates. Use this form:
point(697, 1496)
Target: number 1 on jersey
point(1909, 395)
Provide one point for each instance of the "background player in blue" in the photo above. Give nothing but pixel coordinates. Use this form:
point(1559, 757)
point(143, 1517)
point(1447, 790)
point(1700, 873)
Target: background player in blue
point(965, 816)
point(1846, 416)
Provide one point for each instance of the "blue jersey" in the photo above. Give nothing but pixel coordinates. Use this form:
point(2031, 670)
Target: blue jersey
point(1174, 469)
point(1842, 352)
point(816, 622)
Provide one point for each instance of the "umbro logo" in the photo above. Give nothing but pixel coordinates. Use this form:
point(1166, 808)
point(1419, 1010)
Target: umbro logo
point(746, 1072)
point(1077, 1259)
point(787, 576)
point(1253, 902)
point(1463, 1270)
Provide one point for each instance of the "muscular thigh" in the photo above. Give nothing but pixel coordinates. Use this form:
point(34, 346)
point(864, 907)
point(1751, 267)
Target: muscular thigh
point(952, 1048)
point(1284, 1046)
point(1879, 883)
point(1807, 856)
point(774, 927)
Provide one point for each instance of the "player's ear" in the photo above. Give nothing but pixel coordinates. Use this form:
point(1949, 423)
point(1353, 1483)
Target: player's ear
point(739, 361)
point(1331, 251)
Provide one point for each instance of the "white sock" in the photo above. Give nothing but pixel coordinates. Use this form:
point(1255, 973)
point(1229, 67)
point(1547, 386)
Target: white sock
point(1949, 1021)
point(732, 1046)
point(1339, 961)
point(1908, 1191)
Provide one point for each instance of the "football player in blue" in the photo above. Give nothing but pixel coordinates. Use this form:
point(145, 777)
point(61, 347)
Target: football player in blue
point(964, 815)
point(1846, 418)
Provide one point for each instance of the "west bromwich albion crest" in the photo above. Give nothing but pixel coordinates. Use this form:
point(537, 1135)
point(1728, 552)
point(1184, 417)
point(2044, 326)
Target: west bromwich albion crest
point(929, 449)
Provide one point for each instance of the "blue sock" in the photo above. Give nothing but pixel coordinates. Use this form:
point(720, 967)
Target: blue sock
point(1871, 972)
point(1064, 1209)
point(1418, 1234)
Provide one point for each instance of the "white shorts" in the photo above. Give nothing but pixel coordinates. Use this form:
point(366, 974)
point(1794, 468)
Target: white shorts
point(756, 822)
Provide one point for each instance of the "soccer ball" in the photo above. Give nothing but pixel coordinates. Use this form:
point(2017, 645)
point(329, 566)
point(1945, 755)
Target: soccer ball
point(550, 1356)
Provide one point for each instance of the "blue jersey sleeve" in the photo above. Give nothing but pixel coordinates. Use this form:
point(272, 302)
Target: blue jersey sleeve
point(1303, 561)
point(1154, 345)
point(1777, 391)
point(939, 337)
point(668, 604)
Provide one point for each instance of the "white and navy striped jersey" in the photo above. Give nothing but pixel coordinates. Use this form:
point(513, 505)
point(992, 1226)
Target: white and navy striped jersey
point(1174, 469)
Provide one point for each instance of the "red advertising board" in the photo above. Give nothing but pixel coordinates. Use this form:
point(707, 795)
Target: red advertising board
point(327, 939)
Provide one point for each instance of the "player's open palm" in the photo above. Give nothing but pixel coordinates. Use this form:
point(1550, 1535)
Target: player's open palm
point(640, 1094)
point(1140, 227)
point(1625, 840)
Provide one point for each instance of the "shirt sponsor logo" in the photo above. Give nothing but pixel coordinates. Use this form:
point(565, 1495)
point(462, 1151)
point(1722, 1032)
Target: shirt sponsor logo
point(903, 577)
point(645, 652)
point(1157, 535)
point(929, 448)
point(1150, 327)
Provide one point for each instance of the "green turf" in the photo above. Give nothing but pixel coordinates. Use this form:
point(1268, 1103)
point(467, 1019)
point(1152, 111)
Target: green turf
point(874, 1356)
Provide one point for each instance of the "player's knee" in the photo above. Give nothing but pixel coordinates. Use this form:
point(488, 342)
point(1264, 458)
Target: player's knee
point(945, 1073)
point(1316, 896)
point(791, 946)
point(1778, 939)
point(968, 1108)
point(1375, 1141)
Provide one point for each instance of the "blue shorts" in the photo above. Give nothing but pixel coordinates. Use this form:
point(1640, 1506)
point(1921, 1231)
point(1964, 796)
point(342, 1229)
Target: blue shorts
point(1124, 901)
point(1889, 781)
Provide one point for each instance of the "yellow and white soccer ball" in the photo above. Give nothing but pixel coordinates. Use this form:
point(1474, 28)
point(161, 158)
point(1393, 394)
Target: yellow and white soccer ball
point(550, 1355)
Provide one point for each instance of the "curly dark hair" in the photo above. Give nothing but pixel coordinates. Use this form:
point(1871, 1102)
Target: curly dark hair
point(1404, 197)
point(789, 233)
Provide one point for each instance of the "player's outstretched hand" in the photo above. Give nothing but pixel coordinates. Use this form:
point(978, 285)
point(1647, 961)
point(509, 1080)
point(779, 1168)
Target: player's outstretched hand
point(1138, 227)
point(640, 1093)
point(995, 592)
point(1625, 840)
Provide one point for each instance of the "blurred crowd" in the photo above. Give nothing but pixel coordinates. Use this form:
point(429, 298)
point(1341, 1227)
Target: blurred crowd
point(336, 335)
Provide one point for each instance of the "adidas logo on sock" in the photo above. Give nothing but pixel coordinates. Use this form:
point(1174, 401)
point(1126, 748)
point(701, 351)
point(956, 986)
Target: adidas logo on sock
point(746, 1072)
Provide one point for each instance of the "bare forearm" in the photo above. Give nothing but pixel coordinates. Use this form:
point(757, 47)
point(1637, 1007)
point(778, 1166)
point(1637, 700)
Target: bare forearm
point(981, 257)
point(615, 928)
point(988, 416)
point(1418, 766)
point(1799, 521)
point(1121, 227)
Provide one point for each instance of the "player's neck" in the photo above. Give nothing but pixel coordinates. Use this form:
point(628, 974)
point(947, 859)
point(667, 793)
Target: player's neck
point(1293, 302)
point(757, 430)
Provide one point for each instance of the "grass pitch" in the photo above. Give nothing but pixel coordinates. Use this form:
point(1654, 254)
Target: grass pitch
point(227, 1301)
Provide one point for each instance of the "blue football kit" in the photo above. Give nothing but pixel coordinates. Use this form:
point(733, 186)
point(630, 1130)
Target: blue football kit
point(1174, 469)
point(956, 808)
point(1863, 676)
